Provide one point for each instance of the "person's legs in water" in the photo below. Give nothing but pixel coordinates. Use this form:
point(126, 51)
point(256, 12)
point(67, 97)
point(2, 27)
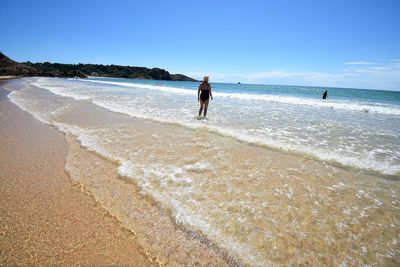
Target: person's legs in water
point(205, 107)
point(201, 107)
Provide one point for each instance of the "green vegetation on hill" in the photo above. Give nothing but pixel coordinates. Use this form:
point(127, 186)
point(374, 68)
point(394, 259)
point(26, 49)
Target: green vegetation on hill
point(10, 67)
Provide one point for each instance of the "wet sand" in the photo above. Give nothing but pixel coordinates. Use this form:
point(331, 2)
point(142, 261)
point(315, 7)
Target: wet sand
point(46, 219)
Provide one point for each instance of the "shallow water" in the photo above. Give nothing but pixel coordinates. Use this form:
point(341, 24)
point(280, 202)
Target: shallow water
point(356, 128)
point(249, 203)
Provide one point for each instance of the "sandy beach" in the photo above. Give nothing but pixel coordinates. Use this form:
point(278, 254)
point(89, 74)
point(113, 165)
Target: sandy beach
point(46, 219)
point(200, 134)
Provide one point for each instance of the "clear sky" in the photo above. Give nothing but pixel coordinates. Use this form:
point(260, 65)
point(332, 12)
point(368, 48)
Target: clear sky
point(343, 43)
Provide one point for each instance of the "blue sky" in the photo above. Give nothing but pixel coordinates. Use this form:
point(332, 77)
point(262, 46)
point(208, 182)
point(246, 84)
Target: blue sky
point(343, 43)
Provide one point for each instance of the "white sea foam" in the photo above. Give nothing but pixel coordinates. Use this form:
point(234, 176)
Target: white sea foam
point(161, 88)
point(26, 105)
point(86, 139)
point(56, 86)
point(361, 161)
point(126, 168)
point(183, 213)
point(342, 105)
point(199, 167)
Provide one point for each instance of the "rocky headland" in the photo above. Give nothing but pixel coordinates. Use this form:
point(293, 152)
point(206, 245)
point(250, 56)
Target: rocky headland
point(9, 67)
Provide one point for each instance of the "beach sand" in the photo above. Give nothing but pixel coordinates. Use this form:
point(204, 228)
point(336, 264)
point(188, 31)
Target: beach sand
point(45, 218)
point(7, 77)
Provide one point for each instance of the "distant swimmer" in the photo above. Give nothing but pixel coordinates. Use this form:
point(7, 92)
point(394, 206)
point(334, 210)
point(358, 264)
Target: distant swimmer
point(203, 95)
point(325, 95)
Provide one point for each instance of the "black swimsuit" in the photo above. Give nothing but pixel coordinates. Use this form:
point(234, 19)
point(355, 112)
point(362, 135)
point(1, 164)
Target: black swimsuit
point(204, 95)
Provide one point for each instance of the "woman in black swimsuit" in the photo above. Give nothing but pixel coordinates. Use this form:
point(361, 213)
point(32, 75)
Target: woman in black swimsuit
point(203, 95)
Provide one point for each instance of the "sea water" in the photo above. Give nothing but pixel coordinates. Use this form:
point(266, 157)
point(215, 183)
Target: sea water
point(275, 175)
point(352, 127)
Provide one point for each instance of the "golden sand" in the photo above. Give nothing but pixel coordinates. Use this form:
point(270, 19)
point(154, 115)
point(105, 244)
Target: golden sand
point(45, 219)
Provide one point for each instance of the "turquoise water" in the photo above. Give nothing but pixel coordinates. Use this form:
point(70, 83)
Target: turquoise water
point(370, 96)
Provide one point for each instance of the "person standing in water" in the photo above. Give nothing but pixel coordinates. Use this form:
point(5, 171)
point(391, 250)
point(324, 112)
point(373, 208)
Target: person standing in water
point(325, 95)
point(203, 95)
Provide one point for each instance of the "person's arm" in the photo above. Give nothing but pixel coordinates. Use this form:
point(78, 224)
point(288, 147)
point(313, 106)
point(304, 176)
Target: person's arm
point(198, 93)
point(211, 93)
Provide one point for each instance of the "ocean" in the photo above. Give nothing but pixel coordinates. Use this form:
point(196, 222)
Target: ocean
point(274, 175)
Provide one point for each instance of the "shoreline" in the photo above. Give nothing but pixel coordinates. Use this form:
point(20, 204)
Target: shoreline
point(188, 208)
point(46, 218)
point(4, 78)
point(155, 238)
